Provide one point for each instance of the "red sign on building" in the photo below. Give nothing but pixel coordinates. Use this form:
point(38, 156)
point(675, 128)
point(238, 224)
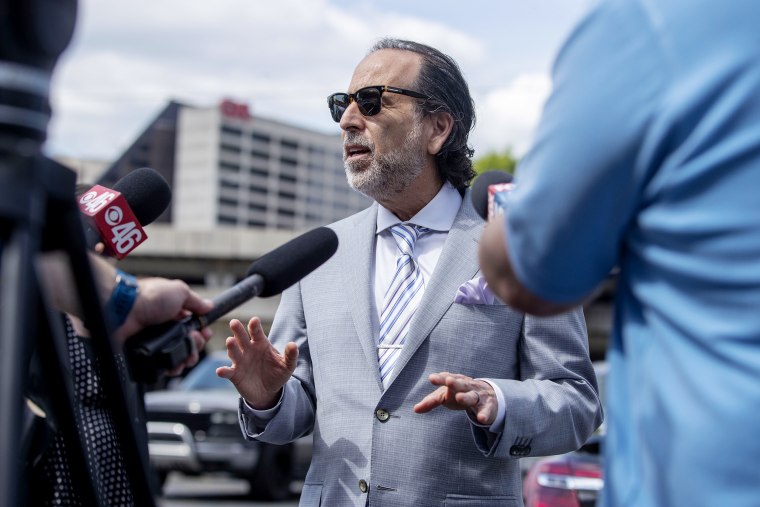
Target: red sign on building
point(233, 109)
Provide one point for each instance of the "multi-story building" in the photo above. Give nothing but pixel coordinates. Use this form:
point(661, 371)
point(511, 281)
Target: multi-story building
point(230, 171)
point(229, 168)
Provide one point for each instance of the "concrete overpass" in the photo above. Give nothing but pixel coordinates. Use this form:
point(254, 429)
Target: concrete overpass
point(214, 260)
point(210, 261)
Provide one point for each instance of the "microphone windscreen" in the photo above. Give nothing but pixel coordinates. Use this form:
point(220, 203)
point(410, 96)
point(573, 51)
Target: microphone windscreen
point(287, 264)
point(479, 194)
point(147, 193)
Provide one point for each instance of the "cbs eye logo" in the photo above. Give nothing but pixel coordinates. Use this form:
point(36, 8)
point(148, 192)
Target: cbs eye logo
point(114, 215)
point(125, 236)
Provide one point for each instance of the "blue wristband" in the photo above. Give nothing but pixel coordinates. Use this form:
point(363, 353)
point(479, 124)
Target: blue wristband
point(122, 298)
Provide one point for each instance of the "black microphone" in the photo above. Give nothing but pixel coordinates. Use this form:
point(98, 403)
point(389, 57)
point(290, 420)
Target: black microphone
point(160, 348)
point(115, 216)
point(147, 193)
point(482, 193)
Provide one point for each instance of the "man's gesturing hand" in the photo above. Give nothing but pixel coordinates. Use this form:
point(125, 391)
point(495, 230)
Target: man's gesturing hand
point(459, 392)
point(258, 370)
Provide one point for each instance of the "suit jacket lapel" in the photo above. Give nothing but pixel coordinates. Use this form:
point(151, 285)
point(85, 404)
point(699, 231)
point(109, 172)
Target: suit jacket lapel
point(457, 264)
point(360, 256)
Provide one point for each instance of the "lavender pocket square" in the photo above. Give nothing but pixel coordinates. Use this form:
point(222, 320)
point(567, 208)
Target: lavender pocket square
point(475, 292)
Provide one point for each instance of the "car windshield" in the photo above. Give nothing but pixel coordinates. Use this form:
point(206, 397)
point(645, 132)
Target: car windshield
point(203, 377)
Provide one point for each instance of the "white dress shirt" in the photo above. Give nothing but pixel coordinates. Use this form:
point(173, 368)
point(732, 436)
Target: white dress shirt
point(438, 216)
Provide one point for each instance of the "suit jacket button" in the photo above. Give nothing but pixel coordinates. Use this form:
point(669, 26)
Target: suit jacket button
point(382, 414)
point(363, 487)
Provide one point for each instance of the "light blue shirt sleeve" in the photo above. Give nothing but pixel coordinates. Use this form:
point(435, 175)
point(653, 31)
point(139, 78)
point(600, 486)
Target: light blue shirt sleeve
point(578, 186)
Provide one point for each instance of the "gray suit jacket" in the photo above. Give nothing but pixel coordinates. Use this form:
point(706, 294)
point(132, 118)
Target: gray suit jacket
point(369, 445)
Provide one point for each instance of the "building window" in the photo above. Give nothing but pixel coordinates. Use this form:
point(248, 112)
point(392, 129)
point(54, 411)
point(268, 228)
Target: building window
point(228, 166)
point(230, 148)
point(287, 143)
point(261, 137)
point(231, 130)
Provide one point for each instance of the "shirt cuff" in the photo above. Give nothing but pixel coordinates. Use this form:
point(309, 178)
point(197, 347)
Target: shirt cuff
point(265, 414)
point(501, 408)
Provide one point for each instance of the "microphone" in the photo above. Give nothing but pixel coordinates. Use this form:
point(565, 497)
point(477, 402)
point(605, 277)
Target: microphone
point(115, 216)
point(157, 349)
point(485, 193)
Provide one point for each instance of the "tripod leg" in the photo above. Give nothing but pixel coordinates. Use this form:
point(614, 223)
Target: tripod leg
point(16, 300)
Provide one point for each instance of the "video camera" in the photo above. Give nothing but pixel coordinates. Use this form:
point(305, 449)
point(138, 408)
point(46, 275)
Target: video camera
point(38, 213)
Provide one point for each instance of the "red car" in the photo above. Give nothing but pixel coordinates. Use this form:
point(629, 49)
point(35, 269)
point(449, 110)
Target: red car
point(574, 479)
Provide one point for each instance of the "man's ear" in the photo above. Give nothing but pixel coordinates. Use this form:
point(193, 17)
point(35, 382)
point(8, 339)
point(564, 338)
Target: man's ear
point(441, 124)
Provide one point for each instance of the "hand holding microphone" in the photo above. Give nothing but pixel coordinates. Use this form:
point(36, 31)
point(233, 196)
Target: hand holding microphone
point(115, 217)
point(162, 348)
point(489, 193)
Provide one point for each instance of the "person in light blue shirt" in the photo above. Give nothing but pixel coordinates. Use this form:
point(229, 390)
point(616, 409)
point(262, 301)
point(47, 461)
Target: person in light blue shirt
point(647, 159)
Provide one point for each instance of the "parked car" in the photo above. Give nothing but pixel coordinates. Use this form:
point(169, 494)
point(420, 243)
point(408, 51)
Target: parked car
point(574, 479)
point(193, 428)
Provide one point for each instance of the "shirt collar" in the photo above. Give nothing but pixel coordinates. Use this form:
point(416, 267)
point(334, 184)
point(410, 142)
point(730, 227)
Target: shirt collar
point(438, 214)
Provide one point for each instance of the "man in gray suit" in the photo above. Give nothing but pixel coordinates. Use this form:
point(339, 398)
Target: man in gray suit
point(361, 349)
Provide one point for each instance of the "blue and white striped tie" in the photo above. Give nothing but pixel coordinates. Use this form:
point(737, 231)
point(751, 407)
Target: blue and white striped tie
point(401, 299)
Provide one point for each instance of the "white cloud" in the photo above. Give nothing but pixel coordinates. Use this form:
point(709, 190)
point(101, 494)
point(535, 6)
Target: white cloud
point(507, 116)
point(282, 58)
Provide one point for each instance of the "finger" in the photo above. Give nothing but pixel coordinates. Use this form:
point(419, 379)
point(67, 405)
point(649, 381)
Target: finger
point(468, 399)
point(291, 356)
point(240, 334)
point(191, 360)
point(460, 383)
point(197, 304)
point(431, 401)
point(176, 371)
point(233, 349)
point(225, 372)
point(439, 379)
point(199, 340)
point(256, 331)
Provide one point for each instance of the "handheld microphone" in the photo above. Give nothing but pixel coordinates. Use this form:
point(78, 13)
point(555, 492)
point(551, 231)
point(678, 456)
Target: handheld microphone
point(115, 216)
point(487, 190)
point(158, 349)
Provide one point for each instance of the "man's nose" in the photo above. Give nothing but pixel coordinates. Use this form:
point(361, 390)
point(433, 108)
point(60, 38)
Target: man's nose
point(352, 118)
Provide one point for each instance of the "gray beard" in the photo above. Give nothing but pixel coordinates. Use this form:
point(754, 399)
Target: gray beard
point(389, 174)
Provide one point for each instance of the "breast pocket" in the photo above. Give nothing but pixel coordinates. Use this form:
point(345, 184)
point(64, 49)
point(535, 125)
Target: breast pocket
point(486, 313)
point(478, 340)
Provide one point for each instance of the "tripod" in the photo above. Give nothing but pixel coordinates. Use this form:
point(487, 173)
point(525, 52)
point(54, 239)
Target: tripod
point(38, 214)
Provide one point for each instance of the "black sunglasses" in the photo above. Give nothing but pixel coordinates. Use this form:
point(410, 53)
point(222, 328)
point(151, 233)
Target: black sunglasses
point(368, 100)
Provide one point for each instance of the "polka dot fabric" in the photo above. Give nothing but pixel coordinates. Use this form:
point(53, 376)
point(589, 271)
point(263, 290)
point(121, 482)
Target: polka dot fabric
point(96, 426)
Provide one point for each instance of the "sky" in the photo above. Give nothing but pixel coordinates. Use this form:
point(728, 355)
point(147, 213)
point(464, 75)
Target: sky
point(284, 57)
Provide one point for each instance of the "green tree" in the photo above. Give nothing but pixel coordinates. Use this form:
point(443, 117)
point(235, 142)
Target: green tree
point(495, 161)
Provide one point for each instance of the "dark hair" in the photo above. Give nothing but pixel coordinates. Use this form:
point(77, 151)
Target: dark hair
point(442, 81)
